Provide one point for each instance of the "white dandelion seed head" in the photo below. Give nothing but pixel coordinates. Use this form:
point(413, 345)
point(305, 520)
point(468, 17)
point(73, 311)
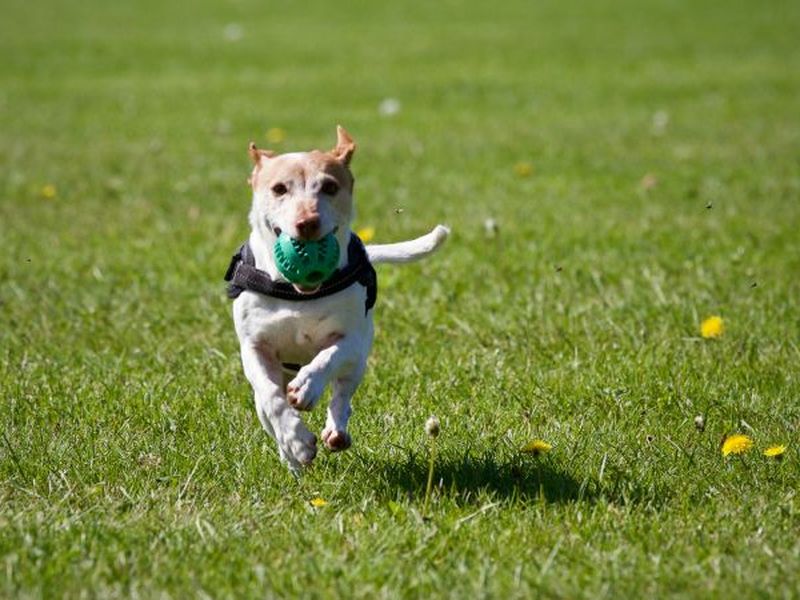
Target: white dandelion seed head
point(389, 107)
point(660, 121)
point(432, 426)
point(233, 32)
point(700, 422)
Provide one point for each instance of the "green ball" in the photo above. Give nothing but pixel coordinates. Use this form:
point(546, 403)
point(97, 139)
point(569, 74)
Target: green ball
point(306, 263)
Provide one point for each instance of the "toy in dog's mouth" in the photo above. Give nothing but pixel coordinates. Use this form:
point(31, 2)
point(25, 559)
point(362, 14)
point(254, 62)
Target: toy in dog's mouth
point(306, 264)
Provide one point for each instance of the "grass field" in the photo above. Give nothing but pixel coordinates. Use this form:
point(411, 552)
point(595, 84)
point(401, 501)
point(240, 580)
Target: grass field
point(642, 163)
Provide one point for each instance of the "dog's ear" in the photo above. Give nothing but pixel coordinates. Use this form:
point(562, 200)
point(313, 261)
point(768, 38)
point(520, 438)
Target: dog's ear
point(345, 146)
point(256, 154)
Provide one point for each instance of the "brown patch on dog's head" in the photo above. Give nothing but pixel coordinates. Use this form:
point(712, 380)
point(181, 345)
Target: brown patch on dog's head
point(333, 166)
point(305, 194)
point(299, 167)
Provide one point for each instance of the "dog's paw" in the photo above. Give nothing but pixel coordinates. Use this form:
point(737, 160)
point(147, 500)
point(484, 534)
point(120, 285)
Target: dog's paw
point(305, 390)
point(298, 444)
point(336, 440)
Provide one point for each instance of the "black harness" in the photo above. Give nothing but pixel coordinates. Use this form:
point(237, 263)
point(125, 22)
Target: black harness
point(243, 275)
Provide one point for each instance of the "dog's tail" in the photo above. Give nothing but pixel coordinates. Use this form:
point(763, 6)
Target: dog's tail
point(410, 250)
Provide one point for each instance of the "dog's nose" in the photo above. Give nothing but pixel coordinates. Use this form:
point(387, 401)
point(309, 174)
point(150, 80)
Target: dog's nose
point(308, 227)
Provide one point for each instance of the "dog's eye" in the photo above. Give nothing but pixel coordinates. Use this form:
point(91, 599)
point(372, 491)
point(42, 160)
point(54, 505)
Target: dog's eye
point(329, 187)
point(279, 189)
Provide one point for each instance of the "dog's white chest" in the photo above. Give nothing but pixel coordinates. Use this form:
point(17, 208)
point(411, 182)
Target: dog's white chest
point(298, 330)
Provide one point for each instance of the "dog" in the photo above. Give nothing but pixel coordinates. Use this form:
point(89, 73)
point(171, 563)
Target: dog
point(295, 340)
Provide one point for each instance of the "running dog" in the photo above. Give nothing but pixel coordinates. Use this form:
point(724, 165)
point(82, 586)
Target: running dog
point(294, 340)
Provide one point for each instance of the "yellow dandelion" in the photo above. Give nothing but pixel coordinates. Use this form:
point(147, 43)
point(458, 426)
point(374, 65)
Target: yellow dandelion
point(366, 234)
point(318, 502)
point(712, 327)
point(736, 444)
point(523, 169)
point(275, 135)
point(536, 447)
point(49, 191)
point(775, 452)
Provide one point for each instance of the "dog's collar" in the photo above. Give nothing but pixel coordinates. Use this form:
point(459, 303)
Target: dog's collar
point(243, 275)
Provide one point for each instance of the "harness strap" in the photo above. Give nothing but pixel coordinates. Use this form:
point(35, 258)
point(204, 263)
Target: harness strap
point(242, 275)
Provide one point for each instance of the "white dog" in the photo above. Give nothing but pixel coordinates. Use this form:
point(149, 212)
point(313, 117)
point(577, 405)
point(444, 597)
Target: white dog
point(295, 340)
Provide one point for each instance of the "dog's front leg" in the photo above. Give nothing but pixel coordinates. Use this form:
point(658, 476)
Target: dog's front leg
point(341, 353)
point(297, 445)
point(343, 362)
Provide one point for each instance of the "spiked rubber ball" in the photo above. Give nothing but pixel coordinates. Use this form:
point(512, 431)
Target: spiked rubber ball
point(306, 263)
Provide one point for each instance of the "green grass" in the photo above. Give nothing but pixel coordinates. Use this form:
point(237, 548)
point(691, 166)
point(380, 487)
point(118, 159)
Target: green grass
point(131, 459)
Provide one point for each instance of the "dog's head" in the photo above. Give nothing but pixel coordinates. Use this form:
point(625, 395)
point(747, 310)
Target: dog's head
point(307, 195)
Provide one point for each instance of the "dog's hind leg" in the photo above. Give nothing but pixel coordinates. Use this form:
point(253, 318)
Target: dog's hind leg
point(297, 445)
point(267, 425)
point(262, 416)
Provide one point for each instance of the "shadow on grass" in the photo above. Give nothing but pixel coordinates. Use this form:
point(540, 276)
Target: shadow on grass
point(469, 477)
